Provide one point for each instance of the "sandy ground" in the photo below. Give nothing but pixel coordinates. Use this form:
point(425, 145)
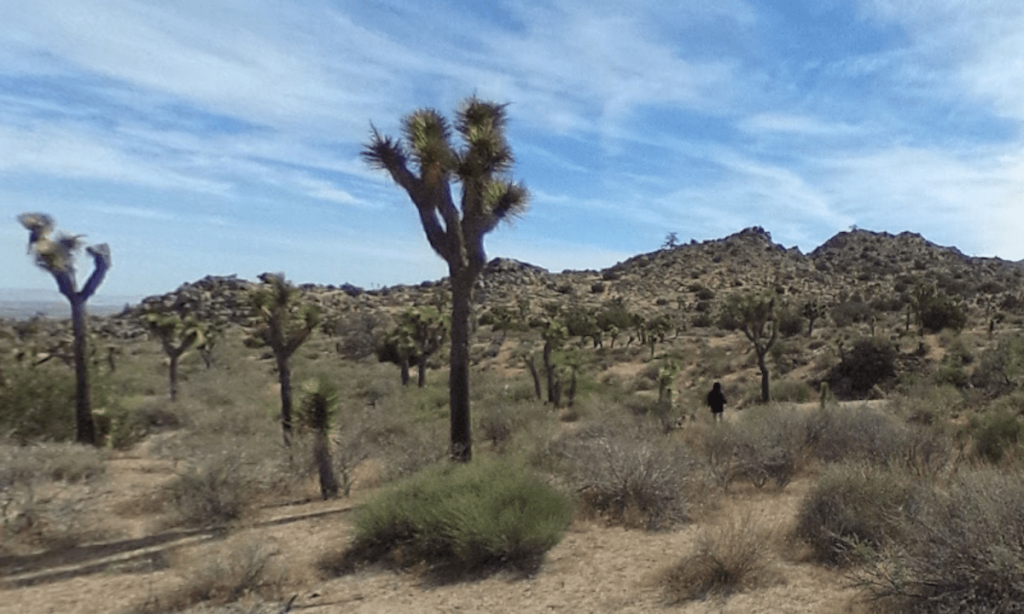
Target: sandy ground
point(594, 569)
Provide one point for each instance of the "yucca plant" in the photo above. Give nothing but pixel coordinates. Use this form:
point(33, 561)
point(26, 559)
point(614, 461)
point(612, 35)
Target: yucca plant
point(316, 412)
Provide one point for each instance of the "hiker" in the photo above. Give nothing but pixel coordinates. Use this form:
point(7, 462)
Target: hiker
point(716, 401)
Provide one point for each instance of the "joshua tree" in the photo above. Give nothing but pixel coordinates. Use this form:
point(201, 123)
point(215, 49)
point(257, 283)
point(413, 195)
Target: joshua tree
point(812, 310)
point(57, 257)
point(286, 323)
point(426, 164)
point(755, 316)
point(417, 336)
point(177, 332)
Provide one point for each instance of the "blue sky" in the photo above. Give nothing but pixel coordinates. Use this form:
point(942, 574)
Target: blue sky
point(222, 136)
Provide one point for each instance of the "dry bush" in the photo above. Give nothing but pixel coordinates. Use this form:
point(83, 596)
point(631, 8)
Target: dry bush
point(855, 511)
point(856, 433)
point(628, 476)
point(48, 494)
point(963, 552)
point(222, 483)
point(238, 570)
point(766, 444)
point(732, 557)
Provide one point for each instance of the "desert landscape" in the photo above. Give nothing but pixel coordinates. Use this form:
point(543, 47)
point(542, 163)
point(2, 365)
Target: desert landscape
point(869, 458)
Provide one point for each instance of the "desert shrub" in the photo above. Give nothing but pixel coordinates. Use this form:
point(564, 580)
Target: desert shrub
point(359, 333)
point(627, 477)
point(926, 404)
point(963, 552)
point(130, 426)
point(790, 322)
point(790, 391)
point(786, 355)
point(222, 575)
point(870, 362)
point(938, 312)
point(995, 434)
point(734, 556)
point(850, 312)
point(38, 404)
point(856, 434)
point(45, 490)
point(854, 511)
point(1001, 368)
point(459, 520)
point(215, 490)
point(766, 444)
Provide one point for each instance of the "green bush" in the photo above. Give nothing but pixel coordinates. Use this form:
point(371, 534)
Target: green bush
point(870, 362)
point(1002, 368)
point(460, 520)
point(939, 312)
point(995, 434)
point(790, 391)
point(38, 404)
point(854, 511)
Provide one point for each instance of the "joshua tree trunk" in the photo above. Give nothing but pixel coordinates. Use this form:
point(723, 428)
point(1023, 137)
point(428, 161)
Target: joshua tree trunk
point(284, 374)
point(421, 371)
point(325, 468)
point(84, 425)
point(549, 371)
point(763, 366)
point(404, 371)
point(458, 382)
point(173, 375)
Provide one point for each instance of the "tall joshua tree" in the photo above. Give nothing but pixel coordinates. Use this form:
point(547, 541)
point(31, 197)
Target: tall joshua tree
point(426, 163)
point(285, 325)
point(56, 255)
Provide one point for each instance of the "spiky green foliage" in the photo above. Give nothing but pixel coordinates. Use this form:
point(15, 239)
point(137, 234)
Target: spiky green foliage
point(319, 404)
point(460, 520)
point(426, 163)
point(57, 257)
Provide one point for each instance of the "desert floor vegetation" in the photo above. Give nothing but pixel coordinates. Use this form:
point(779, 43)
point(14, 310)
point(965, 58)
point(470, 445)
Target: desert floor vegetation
point(883, 475)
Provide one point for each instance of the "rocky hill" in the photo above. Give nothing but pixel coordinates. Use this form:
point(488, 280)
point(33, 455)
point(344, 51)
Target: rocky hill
point(872, 268)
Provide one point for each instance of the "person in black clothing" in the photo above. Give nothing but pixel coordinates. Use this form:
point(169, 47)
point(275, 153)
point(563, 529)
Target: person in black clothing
point(716, 401)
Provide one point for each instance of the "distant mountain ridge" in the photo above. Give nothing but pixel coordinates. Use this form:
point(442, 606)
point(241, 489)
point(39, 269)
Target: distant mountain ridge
point(865, 265)
point(23, 303)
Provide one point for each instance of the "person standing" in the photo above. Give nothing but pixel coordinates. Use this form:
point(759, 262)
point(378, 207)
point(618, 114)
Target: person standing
point(716, 401)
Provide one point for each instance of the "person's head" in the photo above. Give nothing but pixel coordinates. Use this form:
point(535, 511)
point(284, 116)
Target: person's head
point(717, 387)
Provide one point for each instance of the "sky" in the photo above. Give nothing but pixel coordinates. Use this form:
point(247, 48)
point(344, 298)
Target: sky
point(222, 137)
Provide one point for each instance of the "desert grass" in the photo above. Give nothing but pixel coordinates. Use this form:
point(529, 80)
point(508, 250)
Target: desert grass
point(220, 576)
point(736, 555)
